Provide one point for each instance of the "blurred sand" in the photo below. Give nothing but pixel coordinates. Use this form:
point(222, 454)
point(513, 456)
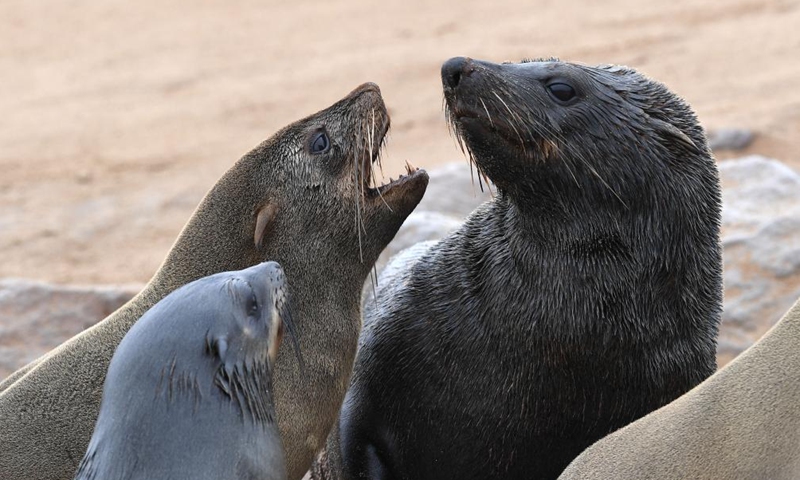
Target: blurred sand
point(118, 116)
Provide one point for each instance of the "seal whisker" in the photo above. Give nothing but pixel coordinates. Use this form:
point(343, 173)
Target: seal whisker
point(288, 320)
point(571, 173)
point(454, 130)
point(487, 112)
point(383, 199)
point(374, 277)
point(511, 124)
point(582, 158)
point(356, 171)
point(515, 120)
point(367, 157)
point(533, 125)
point(170, 378)
point(160, 383)
point(602, 180)
point(372, 144)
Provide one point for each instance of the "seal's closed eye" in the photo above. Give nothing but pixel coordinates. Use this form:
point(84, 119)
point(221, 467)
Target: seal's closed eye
point(252, 304)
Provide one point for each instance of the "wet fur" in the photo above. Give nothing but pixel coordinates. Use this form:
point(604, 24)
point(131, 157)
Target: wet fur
point(189, 389)
point(48, 413)
point(741, 423)
point(585, 295)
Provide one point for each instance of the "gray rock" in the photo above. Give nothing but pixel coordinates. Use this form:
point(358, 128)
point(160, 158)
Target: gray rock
point(453, 193)
point(418, 227)
point(729, 139)
point(36, 317)
point(761, 248)
point(454, 190)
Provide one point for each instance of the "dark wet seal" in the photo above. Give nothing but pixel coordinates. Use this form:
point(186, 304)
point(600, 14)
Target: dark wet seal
point(585, 295)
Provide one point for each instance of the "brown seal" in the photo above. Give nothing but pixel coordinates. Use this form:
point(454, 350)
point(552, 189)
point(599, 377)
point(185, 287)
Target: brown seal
point(741, 423)
point(584, 296)
point(301, 198)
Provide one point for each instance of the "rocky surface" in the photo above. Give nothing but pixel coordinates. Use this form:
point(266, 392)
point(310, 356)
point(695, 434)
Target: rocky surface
point(35, 316)
point(730, 139)
point(453, 192)
point(761, 244)
point(760, 236)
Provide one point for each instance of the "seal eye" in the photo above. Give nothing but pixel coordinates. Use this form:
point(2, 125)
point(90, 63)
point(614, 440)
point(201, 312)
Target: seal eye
point(562, 91)
point(252, 305)
point(320, 143)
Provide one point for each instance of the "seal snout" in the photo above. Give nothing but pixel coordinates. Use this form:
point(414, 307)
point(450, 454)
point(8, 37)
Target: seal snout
point(368, 87)
point(454, 71)
point(266, 276)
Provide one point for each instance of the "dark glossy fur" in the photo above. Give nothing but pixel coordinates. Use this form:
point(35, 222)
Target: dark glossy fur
point(188, 393)
point(587, 294)
point(742, 423)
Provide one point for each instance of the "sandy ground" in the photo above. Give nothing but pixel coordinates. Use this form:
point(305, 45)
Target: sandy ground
point(116, 117)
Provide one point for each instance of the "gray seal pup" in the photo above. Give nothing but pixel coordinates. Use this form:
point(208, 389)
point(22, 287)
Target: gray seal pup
point(301, 198)
point(188, 394)
point(742, 423)
point(585, 295)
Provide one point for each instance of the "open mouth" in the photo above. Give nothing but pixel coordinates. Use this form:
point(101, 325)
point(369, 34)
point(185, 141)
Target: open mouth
point(371, 158)
point(383, 188)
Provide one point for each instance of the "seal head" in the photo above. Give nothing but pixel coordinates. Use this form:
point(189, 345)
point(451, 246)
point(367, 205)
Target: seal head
point(585, 295)
point(325, 165)
point(303, 199)
point(189, 391)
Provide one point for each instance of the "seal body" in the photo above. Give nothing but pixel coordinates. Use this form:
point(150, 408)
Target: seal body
point(188, 393)
point(302, 198)
point(585, 295)
point(742, 423)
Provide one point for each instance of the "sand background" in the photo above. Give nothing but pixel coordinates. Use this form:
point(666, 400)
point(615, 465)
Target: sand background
point(116, 117)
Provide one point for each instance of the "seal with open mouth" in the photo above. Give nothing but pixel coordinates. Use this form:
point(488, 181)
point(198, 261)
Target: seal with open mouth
point(585, 295)
point(302, 198)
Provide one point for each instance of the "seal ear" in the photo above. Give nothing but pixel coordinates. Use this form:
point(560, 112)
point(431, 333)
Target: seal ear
point(217, 346)
point(264, 217)
point(673, 132)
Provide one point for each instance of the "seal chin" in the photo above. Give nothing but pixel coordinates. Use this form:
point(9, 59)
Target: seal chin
point(401, 195)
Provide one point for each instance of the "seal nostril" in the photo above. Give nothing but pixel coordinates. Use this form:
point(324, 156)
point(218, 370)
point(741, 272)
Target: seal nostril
point(455, 78)
point(454, 70)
